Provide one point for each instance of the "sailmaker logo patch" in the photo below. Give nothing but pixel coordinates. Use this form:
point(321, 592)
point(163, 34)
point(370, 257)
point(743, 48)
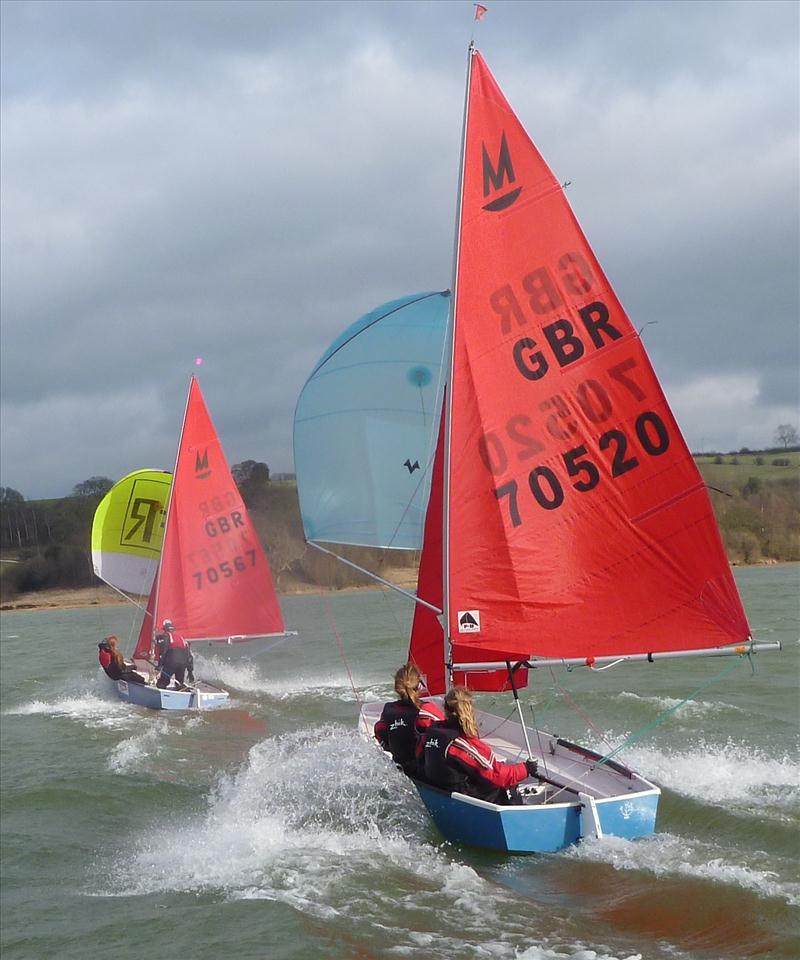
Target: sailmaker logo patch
point(469, 621)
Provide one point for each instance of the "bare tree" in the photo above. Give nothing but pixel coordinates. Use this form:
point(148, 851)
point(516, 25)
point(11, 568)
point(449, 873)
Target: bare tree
point(786, 433)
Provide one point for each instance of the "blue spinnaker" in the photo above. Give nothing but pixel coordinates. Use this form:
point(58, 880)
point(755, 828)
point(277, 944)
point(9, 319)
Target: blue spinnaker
point(366, 424)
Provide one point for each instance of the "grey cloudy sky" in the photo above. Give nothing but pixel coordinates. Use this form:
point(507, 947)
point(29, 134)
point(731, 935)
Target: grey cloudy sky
point(240, 180)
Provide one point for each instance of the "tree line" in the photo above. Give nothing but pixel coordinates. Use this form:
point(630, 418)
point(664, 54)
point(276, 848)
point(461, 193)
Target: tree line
point(757, 507)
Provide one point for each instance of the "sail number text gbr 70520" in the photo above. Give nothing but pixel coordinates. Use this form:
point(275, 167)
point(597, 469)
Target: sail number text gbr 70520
point(557, 416)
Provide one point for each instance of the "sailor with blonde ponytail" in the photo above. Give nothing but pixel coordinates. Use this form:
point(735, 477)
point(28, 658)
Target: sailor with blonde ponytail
point(457, 760)
point(403, 721)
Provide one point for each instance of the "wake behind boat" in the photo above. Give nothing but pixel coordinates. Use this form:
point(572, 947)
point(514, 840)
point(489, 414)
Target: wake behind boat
point(565, 521)
point(191, 544)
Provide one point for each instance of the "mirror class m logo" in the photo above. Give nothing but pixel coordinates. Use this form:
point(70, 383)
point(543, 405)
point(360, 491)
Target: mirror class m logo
point(201, 468)
point(497, 175)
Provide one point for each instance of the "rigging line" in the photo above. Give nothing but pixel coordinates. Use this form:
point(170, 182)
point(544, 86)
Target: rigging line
point(332, 623)
point(666, 713)
point(539, 739)
point(385, 595)
point(574, 704)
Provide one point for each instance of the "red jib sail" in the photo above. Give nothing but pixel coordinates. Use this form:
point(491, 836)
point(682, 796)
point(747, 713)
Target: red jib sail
point(214, 580)
point(144, 645)
point(426, 649)
point(579, 524)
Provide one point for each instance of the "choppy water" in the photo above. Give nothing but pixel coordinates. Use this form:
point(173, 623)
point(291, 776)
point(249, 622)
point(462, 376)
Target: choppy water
point(271, 830)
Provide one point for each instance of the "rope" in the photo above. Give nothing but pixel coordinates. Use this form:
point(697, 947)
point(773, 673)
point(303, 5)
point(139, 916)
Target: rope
point(332, 623)
point(666, 713)
point(567, 696)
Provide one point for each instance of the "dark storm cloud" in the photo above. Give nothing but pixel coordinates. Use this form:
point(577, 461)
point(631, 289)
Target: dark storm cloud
point(239, 181)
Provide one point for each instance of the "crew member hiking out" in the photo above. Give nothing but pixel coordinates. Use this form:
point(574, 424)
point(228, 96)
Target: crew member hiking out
point(403, 721)
point(457, 760)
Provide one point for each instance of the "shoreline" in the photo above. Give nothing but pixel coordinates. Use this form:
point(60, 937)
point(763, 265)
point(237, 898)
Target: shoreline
point(104, 596)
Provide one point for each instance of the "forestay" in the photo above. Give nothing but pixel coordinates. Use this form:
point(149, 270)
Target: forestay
point(366, 424)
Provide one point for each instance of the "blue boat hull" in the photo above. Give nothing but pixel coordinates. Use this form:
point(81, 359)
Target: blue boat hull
point(535, 829)
point(577, 794)
point(203, 697)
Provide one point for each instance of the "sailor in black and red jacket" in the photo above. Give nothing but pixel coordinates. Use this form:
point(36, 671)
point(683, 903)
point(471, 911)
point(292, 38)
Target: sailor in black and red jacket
point(404, 721)
point(455, 759)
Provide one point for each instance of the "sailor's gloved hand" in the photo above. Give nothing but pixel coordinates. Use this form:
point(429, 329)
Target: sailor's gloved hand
point(531, 766)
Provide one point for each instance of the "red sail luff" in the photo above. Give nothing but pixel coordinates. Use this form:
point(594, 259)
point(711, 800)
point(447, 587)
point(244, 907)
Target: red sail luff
point(426, 649)
point(579, 523)
point(145, 642)
point(214, 580)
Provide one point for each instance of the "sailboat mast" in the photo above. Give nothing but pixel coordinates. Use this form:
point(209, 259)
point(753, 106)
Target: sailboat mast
point(450, 353)
point(169, 507)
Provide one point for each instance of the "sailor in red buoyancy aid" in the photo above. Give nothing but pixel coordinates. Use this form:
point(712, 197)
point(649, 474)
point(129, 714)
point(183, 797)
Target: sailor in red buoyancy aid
point(114, 664)
point(455, 759)
point(175, 658)
point(403, 721)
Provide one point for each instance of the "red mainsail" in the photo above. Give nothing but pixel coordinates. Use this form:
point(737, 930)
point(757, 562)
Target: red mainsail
point(214, 580)
point(578, 522)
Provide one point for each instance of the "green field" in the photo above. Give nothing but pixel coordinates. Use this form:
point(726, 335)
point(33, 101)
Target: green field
point(737, 468)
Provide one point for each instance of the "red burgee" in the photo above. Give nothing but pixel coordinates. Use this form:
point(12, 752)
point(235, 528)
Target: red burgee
point(214, 580)
point(579, 523)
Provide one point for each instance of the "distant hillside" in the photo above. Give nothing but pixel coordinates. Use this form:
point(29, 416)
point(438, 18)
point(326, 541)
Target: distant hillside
point(756, 497)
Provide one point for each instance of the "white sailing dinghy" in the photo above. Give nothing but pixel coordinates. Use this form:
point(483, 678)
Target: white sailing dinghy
point(209, 576)
point(566, 521)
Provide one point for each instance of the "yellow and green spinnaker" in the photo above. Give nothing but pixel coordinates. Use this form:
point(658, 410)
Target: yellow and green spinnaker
point(128, 530)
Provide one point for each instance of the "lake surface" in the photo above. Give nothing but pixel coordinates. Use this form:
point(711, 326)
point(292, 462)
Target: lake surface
point(270, 830)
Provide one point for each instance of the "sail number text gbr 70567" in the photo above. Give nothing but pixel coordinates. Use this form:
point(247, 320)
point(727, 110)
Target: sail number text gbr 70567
point(565, 344)
point(227, 532)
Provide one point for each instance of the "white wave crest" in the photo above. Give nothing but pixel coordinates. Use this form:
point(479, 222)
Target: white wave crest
point(665, 854)
point(126, 757)
point(87, 708)
point(730, 773)
point(689, 708)
point(315, 820)
point(246, 676)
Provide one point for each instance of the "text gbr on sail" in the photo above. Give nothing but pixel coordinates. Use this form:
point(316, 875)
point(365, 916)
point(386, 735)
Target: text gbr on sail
point(542, 296)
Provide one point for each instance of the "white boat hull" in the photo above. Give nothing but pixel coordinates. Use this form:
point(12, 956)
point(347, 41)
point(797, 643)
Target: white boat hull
point(202, 696)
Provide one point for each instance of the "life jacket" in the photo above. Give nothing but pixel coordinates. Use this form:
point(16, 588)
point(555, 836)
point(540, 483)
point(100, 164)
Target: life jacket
point(435, 764)
point(106, 658)
point(401, 736)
